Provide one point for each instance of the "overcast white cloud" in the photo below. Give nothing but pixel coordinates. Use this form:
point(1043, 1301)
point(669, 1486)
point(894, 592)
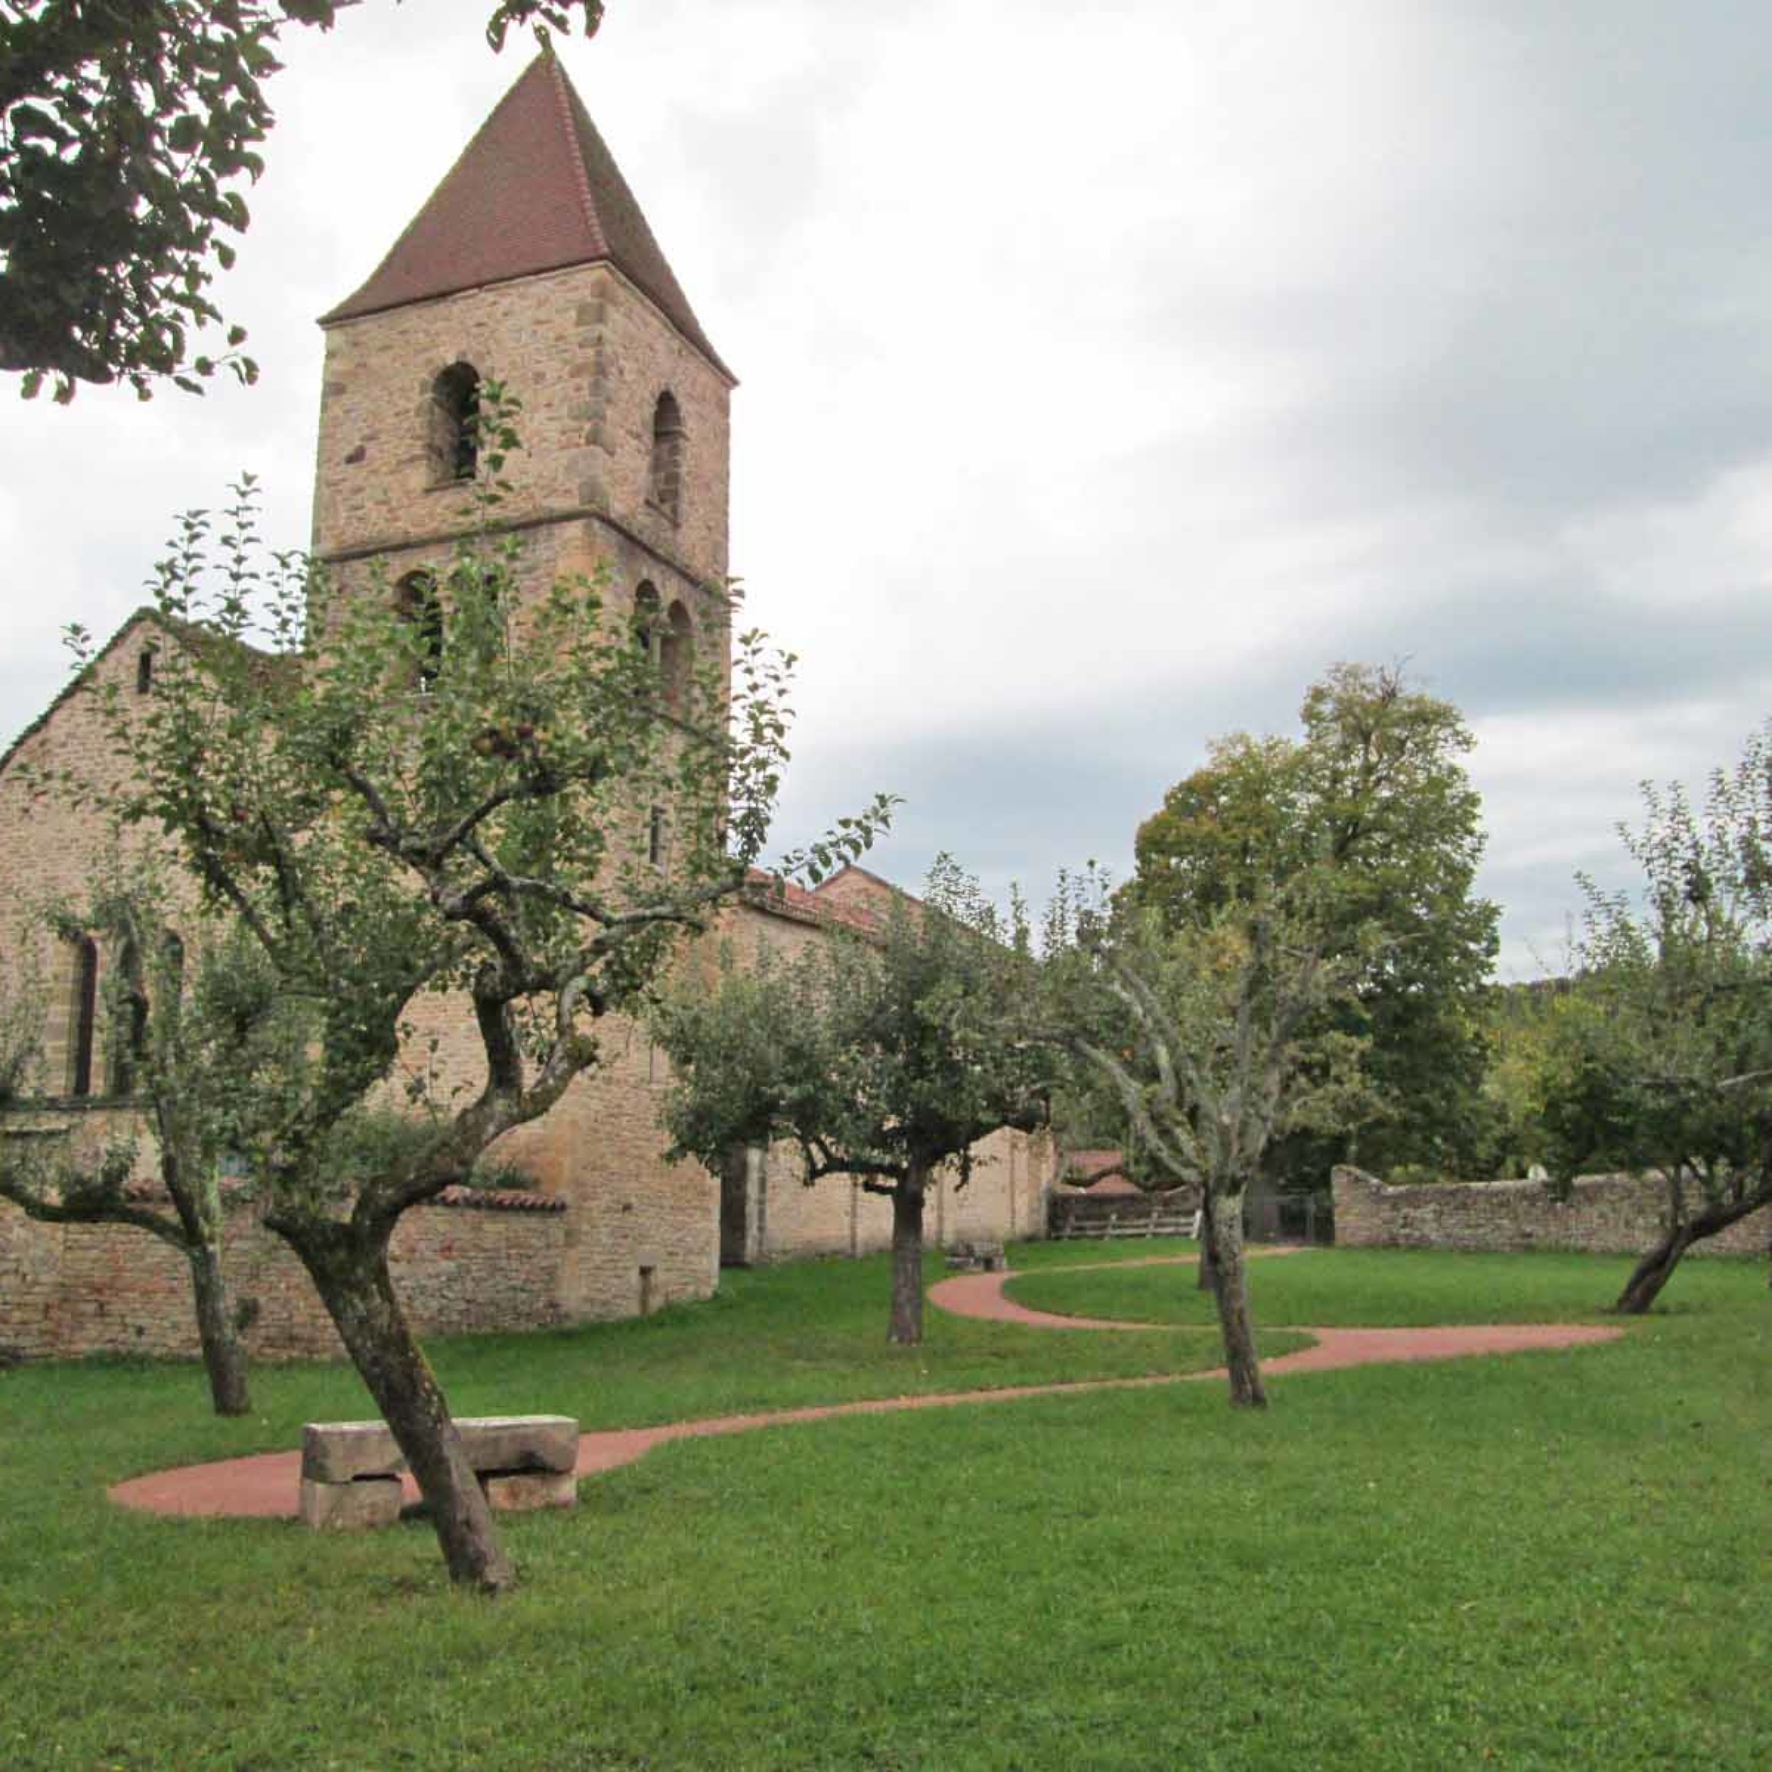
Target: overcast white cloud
point(1107, 373)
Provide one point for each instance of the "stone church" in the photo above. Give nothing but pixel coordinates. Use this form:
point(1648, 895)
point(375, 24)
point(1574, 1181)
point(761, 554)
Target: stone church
point(531, 265)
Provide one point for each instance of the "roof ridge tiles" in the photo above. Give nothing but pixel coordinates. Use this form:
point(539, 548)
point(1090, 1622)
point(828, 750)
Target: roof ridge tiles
point(581, 178)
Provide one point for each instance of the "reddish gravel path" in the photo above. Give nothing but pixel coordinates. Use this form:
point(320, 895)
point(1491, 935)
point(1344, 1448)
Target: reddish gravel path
point(981, 1295)
point(265, 1486)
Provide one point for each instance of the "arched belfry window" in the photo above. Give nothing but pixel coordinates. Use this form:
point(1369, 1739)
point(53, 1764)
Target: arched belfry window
point(664, 486)
point(455, 424)
point(82, 1016)
point(417, 604)
point(676, 657)
point(145, 661)
point(648, 626)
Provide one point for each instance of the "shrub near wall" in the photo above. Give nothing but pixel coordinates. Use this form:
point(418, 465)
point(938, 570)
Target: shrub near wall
point(1604, 1215)
point(71, 1290)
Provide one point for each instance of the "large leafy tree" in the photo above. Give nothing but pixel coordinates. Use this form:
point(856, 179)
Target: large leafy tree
point(881, 1057)
point(1373, 793)
point(191, 1014)
point(1662, 1057)
point(392, 809)
point(1219, 1036)
point(127, 130)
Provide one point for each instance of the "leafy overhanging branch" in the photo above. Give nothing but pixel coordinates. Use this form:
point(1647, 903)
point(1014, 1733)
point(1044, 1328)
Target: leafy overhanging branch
point(126, 135)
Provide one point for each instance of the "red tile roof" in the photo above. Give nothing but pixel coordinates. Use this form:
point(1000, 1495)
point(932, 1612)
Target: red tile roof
point(498, 1199)
point(855, 896)
point(1095, 1172)
point(1102, 1162)
point(535, 190)
point(770, 892)
point(147, 1191)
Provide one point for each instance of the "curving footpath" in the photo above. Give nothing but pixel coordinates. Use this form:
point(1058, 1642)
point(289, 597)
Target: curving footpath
point(266, 1486)
point(981, 1297)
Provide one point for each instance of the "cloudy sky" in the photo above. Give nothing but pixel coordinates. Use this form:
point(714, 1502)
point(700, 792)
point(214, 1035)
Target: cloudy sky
point(1107, 373)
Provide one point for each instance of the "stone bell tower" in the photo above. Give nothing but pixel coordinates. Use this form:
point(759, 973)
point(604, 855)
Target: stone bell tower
point(532, 265)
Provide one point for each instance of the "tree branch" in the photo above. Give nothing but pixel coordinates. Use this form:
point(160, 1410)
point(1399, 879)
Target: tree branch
point(93, 1202)
point(1174, 1158)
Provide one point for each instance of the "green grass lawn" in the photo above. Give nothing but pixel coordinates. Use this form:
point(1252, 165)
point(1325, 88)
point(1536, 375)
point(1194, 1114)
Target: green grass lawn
point(1087, 1252)
point(1364, 1288)
point(1551, 1560)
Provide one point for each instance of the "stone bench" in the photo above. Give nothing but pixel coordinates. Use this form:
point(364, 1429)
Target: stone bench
point(351, 1470)
point(978, 1258)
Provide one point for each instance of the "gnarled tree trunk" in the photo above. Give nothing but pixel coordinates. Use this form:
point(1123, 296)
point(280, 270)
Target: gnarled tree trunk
point(1657, 1267)
point(194, 1235)
point(906, 1326)
point(224, 1354)
point(1206, 1281)
point(1230, 1290)
point(350, 1268)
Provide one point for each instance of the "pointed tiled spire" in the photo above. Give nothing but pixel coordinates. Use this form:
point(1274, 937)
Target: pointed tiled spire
point(535, 190)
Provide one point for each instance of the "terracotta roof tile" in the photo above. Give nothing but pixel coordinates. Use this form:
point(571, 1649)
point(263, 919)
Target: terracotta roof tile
point(535, 190)
point(147, 1191)
point(1099, 1162)
point(864, 900)
point(498, 1199)
point(770, 892)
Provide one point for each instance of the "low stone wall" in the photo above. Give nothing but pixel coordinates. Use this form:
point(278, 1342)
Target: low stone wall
point(1604, 1214)
point(69, 1290)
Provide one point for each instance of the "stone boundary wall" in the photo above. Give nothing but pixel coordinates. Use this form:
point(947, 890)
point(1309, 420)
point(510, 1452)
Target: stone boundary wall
point(71, 1290)
point(1605, 1215)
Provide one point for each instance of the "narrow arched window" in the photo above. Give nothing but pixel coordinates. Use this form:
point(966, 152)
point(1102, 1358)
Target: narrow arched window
point(676, 657)
point(455, 424)
point(664, 487)
point(417, 605)
point(172, 951)
point(82, 1016)
point(648, 627)
point(657, 840)
point(129, 1039)
point(144, 670)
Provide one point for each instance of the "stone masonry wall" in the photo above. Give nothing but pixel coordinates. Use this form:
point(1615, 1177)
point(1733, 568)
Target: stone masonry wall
point(69, 1290)
point(1012, 1172)
point(1606, 1214)
point(641, 1233)
point(588, 357)
point(1004, 1199)
point(54, 853)
point(638, 1232)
